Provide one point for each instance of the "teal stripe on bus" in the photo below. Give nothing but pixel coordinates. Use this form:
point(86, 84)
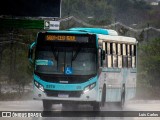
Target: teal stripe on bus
point(65, 87)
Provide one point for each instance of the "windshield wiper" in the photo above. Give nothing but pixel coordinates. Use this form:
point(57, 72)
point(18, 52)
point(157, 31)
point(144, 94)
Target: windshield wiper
point(54, 53)
point(75, 55)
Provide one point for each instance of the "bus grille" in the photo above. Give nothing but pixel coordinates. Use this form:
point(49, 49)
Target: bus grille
point(53, 93)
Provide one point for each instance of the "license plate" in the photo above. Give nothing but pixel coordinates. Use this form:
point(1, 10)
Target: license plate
point(63, 95)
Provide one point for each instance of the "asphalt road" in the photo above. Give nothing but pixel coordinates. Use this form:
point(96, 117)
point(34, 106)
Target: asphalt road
point(136, 105)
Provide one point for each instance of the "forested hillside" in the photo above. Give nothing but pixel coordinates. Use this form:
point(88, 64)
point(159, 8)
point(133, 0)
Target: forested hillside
point(102, 12)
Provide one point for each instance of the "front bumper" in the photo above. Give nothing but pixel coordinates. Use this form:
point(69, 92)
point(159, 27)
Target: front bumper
point(90, 96)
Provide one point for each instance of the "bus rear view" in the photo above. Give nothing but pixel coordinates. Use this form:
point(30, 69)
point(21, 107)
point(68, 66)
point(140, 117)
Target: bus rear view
point(65, 68)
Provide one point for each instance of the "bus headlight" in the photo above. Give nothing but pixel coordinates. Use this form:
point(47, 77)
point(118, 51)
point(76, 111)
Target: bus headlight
point(36, 84)
point(89, 87)
point(39, 86)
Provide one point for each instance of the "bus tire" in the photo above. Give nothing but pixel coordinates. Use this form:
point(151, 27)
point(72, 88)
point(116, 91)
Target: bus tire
point(96, 106)
point(122, 100)
point(47, 105)
point(103, 96)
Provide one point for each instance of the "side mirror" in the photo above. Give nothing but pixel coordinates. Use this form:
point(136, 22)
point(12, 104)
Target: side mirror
point(30, 52)
point(103, 55)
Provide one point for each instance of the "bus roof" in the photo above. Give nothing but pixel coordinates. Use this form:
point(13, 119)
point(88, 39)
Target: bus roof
point(120, 39)
point(96, 31)
point(87, 31)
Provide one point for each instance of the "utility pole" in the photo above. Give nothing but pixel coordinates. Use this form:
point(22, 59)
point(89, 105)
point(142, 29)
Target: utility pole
point(0, 61)
point(1, 49)
point(11, 56)
point(11, 52)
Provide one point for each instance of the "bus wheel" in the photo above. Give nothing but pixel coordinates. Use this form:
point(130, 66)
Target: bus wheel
point(122, 100)
point(47, 105)
point(103, 96)
point(96, 106)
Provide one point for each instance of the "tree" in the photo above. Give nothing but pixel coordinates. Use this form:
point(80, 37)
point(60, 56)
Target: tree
point(121, 5)
point(150, 62)
point(141, 5)
point(99, 10)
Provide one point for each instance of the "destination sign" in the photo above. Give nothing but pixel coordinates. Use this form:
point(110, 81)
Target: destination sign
point(71, 38)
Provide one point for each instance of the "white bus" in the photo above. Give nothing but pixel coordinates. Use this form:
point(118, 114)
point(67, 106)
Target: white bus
point(118, 69)
point(83, 65)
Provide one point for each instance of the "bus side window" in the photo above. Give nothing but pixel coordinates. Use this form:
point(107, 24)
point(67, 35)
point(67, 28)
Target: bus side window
point(124, 49)
point(114, 48)
point(115, 61)
point(109, 56)
point(104, 47)
point(133, 61)
point(129, 61)
point(111, 48)
point(133, 48)
point(115, 58)
point(130, 50)
point(129, 56)
point(108, 48)
point(124, 59)
point(119, 52)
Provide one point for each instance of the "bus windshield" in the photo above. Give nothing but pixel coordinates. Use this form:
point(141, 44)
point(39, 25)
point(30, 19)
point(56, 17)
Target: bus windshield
point(71, 59)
